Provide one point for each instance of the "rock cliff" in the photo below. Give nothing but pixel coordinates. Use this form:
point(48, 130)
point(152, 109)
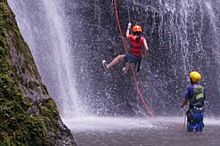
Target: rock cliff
point(28, 114)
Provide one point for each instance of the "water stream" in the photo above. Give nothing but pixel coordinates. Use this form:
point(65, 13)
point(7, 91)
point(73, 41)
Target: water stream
point(42, 24)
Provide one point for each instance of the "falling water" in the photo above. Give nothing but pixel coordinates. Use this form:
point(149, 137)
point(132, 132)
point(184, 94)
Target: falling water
point(70, 38)
point(42, 23)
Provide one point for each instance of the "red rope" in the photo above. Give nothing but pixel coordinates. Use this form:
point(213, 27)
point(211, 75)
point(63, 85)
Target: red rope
point(119, 25)
point(146, 107)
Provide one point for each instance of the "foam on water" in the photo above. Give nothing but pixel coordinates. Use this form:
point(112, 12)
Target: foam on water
point(123, 123)
point(107, 123)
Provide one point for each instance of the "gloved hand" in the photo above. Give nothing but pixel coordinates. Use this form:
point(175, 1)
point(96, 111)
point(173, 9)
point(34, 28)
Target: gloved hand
point(129, 25)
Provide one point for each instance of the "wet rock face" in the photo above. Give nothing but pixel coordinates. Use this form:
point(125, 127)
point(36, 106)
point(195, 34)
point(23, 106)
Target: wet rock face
point(25, 70)
point(28, 115)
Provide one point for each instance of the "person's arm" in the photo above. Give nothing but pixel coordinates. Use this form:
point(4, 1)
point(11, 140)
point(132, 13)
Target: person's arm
point(185, 102)
point(188, 96)
point(128, 30)
point(145, 47)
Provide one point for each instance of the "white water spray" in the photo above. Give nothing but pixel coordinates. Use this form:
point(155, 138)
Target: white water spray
point(42, 24)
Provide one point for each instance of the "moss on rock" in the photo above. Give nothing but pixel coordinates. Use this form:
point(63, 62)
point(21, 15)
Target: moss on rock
point(26, 119)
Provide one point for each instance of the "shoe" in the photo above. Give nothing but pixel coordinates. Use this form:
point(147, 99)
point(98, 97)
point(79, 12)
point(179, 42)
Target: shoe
point(104, 65)
point(124, 70)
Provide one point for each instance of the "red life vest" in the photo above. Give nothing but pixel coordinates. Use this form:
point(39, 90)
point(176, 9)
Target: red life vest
point(136, 45)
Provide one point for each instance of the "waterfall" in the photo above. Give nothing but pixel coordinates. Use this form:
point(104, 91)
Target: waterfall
point(69, 39)
point(43, 26)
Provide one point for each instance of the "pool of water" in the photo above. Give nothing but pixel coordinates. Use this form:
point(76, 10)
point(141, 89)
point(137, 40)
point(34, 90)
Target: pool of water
point(160, 131)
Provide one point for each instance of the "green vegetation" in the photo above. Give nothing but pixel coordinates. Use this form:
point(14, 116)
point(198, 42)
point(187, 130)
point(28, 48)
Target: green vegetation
point(23, 121)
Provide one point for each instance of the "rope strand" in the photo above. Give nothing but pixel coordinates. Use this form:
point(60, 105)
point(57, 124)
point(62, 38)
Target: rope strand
point(128, 9)
point(147, 109)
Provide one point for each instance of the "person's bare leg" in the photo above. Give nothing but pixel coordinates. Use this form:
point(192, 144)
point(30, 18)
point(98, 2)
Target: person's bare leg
point(115, 61)
point(127, 66)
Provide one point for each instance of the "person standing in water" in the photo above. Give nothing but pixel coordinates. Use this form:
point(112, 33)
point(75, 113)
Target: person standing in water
point(138, 48)
point(195, 97)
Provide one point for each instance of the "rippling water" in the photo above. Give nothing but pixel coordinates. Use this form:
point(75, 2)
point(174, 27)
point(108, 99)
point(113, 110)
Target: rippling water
point(161, 131)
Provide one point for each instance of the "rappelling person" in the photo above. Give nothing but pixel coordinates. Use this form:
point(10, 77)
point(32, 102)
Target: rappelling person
point(196, 98)
point(138, 48)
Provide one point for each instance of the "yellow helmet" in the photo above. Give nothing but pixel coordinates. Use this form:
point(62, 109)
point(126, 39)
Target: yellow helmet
point(195, 76)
